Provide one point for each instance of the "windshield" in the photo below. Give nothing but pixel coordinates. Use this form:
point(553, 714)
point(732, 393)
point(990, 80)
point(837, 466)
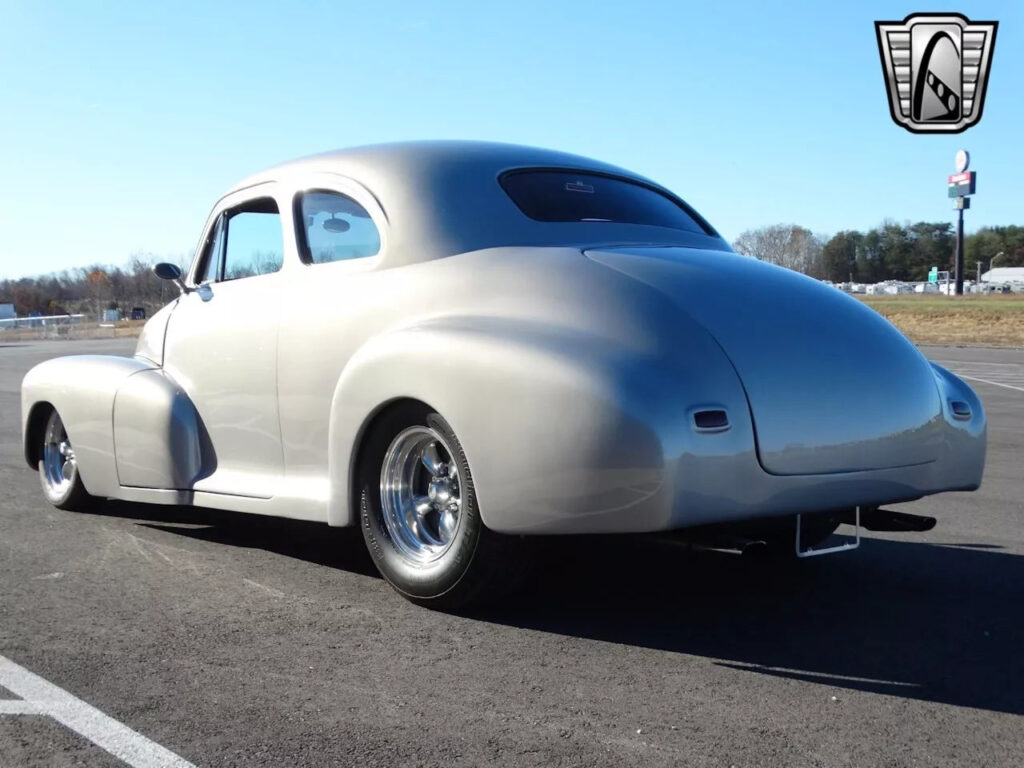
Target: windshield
point(558, 195)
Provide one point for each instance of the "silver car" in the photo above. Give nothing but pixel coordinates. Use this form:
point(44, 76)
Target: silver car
point(456, 344)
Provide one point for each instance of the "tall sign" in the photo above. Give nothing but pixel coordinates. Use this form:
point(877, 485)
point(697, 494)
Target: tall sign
point(960, 185)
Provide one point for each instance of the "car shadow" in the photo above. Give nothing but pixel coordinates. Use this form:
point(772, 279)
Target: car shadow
point(935, 622)
point(312, 542)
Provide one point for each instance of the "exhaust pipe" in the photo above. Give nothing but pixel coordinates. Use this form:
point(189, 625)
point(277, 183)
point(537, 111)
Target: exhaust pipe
point(888, 520)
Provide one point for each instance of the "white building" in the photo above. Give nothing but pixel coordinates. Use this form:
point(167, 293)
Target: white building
point(1003, 275)
point(6, 311)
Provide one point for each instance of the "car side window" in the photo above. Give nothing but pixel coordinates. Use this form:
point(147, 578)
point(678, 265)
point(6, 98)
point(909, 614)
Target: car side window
point(255, 242)
point(334, 227)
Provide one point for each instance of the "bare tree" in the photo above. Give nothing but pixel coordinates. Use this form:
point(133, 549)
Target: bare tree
point(787, 245)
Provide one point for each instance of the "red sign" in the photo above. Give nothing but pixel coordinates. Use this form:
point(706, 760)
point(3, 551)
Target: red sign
point(961, 184)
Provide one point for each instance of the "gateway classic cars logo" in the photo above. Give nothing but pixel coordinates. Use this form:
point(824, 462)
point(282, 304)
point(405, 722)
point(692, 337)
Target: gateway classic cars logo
point(936, 68)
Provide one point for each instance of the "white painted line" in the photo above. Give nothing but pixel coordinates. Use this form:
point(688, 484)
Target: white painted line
point(118, 739)
point(18, 707)
point(993, 383)
point(949, 363)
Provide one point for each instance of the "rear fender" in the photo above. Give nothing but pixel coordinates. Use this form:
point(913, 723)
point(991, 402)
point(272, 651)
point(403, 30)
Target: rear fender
point(966, 433)
point(556, 424)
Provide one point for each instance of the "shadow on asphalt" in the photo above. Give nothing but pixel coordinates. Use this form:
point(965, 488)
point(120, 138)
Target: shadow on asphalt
point(313, 542)
point(935, 622)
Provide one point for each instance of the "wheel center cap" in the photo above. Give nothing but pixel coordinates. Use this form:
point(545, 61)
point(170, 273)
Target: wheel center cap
point(439, 491)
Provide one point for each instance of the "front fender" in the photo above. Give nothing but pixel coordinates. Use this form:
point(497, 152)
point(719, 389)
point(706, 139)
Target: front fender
point(557, 424)
point(82, 389)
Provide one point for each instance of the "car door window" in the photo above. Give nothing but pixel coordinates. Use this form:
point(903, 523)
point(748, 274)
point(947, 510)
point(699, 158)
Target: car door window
point(334, 227)
point(255, 243)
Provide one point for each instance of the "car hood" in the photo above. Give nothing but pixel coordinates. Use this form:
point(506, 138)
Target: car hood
point(832, 385)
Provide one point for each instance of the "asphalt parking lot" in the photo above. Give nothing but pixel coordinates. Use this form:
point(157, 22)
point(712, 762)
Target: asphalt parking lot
point(229, 640)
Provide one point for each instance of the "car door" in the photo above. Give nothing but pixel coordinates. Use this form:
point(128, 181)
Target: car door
point(337, 298)
point(221, 343)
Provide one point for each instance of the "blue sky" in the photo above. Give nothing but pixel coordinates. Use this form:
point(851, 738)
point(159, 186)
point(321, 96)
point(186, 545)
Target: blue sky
point(122, 122)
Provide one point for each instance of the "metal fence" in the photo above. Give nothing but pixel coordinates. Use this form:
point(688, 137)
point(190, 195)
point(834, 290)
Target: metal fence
point(64, 327)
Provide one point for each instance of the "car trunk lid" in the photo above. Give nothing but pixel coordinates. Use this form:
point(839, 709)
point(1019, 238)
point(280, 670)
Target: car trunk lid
point(832, 386)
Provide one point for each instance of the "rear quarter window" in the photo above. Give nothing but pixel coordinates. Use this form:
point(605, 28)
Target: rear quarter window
point(568, 196)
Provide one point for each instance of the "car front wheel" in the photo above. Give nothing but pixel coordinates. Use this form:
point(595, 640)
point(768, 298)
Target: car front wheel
point(419, 513)
point(58, 468)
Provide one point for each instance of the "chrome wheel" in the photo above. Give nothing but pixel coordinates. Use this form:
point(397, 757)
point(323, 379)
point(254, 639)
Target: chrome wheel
point(59, 469)
point(421, 494)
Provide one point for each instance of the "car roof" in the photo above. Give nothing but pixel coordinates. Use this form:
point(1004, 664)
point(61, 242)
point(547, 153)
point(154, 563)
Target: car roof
point(419, 160)
point(443, 197)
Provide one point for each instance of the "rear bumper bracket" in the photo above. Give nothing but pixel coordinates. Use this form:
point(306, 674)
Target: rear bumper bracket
point(844, 547)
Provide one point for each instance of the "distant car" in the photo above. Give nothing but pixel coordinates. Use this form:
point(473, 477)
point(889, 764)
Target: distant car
point(138, 313)
point(453, 344)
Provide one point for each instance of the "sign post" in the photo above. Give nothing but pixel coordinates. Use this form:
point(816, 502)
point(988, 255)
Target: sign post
point(961, 184)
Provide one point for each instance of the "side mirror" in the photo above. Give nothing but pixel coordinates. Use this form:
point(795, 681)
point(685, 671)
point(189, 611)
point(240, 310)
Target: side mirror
point(167, 271)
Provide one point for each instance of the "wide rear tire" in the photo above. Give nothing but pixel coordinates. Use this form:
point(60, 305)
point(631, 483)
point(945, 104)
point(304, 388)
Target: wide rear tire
point(419, 513)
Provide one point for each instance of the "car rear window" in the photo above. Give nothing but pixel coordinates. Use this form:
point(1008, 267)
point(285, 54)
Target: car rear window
point(559, 195)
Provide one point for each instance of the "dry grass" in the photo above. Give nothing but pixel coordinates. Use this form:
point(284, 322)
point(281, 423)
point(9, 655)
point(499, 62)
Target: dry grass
point(996, 320)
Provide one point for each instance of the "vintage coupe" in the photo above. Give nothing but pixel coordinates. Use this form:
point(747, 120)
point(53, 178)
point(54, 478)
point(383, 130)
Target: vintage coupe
point(455, 344)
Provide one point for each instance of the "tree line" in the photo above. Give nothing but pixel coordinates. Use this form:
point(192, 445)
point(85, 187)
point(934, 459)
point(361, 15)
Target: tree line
point(90, 290)
point(890, 251)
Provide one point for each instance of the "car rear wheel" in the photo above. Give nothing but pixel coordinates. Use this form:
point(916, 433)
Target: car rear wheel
point(419, 513)
point(58, 468)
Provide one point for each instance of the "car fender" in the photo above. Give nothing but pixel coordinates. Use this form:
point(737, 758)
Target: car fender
point(129, 422)
point(556, 423)
point(159, 438)
point(82, 389)
point(966, 433)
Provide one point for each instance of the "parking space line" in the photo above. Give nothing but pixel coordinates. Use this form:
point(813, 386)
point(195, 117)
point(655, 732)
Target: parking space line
point(18, 707)
point(1006, 375)
point(950, 363)
point(993, 383)
point(40, 697)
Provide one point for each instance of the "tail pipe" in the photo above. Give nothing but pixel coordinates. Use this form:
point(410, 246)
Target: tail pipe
point(875, 519)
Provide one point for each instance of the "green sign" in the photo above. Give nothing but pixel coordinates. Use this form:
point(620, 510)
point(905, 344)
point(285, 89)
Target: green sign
point(960, 184)
point(933, 275)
